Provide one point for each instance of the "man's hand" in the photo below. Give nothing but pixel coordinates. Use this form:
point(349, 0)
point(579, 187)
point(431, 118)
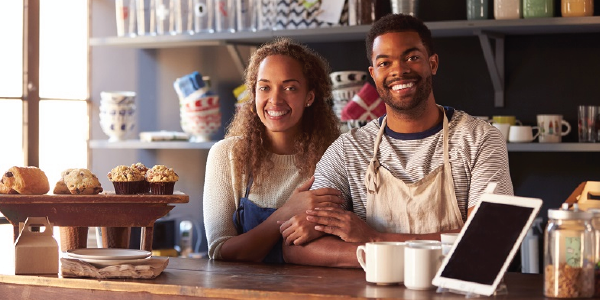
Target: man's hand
point(298, 231)
point(345, 224)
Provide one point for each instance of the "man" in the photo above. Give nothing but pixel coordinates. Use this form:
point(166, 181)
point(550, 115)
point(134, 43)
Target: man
point(412, 174)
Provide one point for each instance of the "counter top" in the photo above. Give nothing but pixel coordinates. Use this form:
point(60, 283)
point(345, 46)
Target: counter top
point(203, 278)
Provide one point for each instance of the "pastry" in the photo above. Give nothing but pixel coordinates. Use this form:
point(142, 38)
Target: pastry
point(126, 180)
point(81, 182)
point(25, 180)
point(145, 186)
point(162, 180)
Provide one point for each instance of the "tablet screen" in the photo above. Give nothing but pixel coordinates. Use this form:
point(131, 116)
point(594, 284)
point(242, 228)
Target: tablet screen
point(487, 242)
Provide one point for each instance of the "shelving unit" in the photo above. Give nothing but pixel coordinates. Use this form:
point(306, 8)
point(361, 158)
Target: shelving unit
point(485, 30)
point(137, 144)
point(512, 147)
point(357, 33)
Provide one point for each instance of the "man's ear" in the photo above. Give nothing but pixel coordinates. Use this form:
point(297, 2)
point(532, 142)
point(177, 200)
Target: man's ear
point(434, 63)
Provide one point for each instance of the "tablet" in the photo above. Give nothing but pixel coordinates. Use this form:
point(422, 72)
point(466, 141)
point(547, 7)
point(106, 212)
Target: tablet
point(487, 243)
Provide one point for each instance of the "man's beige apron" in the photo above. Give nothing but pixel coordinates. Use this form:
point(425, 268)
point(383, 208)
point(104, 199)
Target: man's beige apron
point(426, 206)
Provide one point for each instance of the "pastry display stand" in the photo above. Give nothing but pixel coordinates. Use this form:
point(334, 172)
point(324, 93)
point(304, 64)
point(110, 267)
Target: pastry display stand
point(104, 210)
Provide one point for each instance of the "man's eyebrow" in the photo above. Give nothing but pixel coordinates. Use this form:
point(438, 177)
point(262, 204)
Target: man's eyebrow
point(407, 51)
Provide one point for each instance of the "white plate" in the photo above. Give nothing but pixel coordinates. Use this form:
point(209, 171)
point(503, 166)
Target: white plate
point(107, 253)
point(116, 262)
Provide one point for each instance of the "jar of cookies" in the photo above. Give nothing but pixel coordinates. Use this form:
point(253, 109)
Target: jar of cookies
point(569, 253)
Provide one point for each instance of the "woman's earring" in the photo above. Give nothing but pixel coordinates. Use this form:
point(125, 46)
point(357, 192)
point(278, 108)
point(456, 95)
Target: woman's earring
point(308, 104)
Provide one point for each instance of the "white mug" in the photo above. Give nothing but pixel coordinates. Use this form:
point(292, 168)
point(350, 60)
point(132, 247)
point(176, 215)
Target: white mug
point(384, 262)
point(448, 240)
point(422, 259)
point(551, 128)
point(522, 134)
point(504, 128)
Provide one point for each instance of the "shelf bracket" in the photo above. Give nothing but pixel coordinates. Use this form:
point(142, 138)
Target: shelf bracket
point(494, 61)
point(240, 63)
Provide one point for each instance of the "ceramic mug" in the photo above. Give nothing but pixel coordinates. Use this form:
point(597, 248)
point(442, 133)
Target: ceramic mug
point(383, 262)
point(512, 120)
point(522, 134)
point(422, 259)
point(504, 128)
point(551, 128)
point(448, 240)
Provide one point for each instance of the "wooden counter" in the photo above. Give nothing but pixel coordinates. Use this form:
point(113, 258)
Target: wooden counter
point(202, 278)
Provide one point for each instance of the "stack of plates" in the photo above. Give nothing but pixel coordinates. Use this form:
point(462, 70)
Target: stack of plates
point(109, 256)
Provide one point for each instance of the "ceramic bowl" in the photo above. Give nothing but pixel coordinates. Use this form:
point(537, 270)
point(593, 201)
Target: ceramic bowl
point(201, 125)
point(117, 126)
point(348, 78)
point(117, 97)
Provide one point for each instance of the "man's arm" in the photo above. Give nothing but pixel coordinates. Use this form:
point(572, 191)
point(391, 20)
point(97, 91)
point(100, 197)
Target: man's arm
point(328, 251)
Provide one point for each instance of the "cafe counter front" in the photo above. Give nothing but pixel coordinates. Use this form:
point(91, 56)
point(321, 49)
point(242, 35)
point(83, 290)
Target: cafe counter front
point(186, 278)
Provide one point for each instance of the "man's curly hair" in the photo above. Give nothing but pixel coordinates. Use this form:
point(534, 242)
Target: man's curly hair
point(319, 125)
point(398, 23)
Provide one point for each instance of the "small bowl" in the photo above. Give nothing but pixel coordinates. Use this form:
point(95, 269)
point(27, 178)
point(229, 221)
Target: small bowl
point(348, 78)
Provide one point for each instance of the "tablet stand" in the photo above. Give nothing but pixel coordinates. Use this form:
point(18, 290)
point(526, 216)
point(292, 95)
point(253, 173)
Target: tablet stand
point(501, 289)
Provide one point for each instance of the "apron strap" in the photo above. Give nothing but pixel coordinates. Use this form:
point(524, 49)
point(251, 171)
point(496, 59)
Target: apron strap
point(372, 174)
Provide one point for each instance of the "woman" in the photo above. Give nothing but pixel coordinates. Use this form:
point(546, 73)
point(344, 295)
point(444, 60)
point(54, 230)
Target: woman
point(261, 172)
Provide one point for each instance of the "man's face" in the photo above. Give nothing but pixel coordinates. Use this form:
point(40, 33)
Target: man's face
point(402, 70)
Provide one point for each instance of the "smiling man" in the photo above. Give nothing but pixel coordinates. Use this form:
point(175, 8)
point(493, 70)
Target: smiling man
point(412, 174)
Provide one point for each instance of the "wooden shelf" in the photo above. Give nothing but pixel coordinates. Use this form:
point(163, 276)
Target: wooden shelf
point(358, 33)
point(512, 147)
point(137, 144)
point(553, 147)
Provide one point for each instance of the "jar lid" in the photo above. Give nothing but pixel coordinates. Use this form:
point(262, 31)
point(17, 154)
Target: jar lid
point(565, 214)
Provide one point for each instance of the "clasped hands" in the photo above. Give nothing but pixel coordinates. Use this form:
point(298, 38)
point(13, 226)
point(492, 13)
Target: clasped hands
point(325, 215)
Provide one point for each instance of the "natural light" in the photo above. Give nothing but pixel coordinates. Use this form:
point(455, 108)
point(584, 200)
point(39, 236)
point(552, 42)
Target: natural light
point(63, 90)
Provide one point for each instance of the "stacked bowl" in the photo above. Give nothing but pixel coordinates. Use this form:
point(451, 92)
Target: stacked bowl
point(117, 114)
point(200, 115)
point(345, 85)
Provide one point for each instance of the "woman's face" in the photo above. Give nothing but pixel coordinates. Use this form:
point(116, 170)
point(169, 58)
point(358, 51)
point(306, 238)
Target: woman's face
point(281, 95)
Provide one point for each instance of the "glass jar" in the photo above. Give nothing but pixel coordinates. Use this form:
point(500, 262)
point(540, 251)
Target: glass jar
point(596, 227)
point(577, 8)
point(477, 9)
point(569, 253)
point(507, 9)
point(538, 8)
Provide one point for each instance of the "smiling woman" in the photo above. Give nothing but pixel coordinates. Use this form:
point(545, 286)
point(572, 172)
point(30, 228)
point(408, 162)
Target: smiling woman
point(62, 87)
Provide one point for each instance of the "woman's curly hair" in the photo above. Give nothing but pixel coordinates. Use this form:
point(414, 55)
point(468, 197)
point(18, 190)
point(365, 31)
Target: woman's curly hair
point(319, 125)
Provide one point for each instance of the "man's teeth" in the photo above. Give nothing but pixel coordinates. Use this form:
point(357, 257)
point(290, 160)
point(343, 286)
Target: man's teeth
point(277, 113)
point(402, 86)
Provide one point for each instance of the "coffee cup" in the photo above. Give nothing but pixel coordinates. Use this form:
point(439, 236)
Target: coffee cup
point(504, 128)
point(512, 120)
point(522, 134)
point(383, 262)
point(422, 259)
point(448, 240)
point(551, 128)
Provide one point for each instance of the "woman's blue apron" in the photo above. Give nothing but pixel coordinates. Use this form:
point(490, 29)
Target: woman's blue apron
point(248, 215)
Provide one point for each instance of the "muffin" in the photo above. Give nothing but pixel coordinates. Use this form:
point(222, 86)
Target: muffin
point(80, 182)
point(162, 180)
point(126, 180)
point(145, 186)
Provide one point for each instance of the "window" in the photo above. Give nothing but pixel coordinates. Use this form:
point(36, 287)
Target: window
point(63, 85)
point(63, 90)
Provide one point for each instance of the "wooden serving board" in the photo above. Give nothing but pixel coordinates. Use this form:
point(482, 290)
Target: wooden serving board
point(104, 197)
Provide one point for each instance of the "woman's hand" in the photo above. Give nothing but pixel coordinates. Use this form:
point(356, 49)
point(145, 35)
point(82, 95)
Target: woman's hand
point(303, 199)
point(298, 231)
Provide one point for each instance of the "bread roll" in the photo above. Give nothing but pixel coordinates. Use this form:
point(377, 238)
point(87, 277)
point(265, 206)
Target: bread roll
point(26, 181)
